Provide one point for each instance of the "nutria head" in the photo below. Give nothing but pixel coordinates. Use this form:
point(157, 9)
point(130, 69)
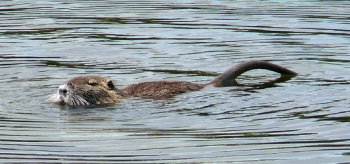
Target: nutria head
point(87, 90)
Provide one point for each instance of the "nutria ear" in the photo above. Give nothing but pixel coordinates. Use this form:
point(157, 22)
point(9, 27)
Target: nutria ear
point(110, 84)
point(92, 82)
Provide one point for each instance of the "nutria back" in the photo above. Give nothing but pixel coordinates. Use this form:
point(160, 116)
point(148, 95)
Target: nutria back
point(161, 89)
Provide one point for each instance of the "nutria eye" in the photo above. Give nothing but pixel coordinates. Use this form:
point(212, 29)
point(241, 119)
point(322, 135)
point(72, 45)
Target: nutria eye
point(70, 85)
point(92, 82)
point(110, 84)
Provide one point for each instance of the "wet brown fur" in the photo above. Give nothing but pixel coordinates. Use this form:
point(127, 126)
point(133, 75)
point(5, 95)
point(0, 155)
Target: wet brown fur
point(99, 90)
point(161, 89)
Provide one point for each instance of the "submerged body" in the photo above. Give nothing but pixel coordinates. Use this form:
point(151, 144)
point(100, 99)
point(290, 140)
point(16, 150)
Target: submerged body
point(97, 90)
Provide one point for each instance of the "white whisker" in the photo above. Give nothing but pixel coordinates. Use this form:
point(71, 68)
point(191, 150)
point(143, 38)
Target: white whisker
point(82, 101)
point(76, 100)
point(54, 98)
point(69, 100)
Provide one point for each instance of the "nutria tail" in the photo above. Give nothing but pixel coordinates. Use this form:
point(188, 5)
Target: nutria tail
point(228, 78)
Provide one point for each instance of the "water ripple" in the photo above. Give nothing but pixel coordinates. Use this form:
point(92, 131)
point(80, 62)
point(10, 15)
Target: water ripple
point(268, 120)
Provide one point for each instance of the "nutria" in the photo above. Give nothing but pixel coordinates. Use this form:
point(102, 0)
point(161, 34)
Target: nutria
point(97, 90)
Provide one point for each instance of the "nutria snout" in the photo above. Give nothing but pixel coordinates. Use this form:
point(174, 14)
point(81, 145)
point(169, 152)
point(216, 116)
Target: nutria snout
point(97, 90)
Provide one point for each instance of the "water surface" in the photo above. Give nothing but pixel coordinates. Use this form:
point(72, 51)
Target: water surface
point(305, 119)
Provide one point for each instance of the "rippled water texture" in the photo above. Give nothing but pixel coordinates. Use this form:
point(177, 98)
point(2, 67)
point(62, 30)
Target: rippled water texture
point(306, 119)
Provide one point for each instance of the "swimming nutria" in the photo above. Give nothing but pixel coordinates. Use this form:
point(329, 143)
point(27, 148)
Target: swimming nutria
point(97, 90)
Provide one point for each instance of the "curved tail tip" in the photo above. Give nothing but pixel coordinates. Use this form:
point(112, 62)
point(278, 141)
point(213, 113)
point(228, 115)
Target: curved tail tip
point(228, 78)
